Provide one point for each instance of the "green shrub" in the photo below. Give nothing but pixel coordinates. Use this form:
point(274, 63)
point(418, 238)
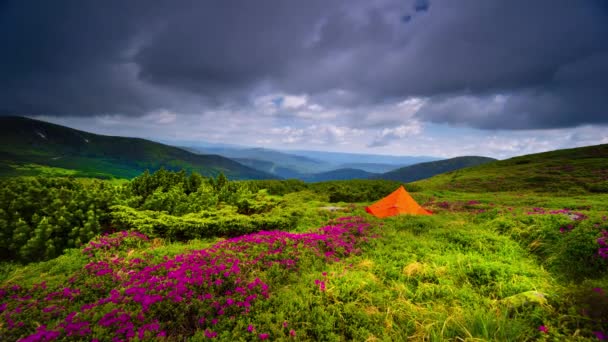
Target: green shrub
point(599, 187)
point(418, 224)
point(40, 217)
point(575, 254)
point(223, 222)
point(277, 187)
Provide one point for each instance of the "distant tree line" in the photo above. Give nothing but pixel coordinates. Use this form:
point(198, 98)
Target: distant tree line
point(356, 190)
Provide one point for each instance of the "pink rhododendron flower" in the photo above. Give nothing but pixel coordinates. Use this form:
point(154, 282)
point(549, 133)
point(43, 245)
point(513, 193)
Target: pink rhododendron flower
point(600, 335)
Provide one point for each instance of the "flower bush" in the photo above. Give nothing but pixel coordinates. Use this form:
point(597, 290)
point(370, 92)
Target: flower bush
point(119, 297)
point(603, 242)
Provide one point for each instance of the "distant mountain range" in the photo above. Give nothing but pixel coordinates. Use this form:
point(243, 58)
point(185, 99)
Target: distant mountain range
point(311, 165)
point(342, 159)
point(315, 166)
point(30, 146)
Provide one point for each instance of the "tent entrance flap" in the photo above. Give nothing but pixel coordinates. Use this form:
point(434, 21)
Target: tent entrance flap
point(397, 203)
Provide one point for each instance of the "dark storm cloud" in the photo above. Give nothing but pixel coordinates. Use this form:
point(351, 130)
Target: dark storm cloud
point(227, 47)
point(545, 58)
point(67, 57)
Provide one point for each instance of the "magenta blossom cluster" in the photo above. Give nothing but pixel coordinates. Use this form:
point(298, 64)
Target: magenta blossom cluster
point(110, 242)
point(444, 204)
point(603, 242)
point(566, 228)
point(119, 298)
point(601, 335)
point(573, 215)
point(320, 284)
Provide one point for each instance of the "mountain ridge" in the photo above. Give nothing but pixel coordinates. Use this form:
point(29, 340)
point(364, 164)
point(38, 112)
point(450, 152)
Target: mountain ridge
point(29, 143)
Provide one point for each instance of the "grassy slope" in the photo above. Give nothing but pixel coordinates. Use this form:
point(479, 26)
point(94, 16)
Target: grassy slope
point(425, 170)
point(29, 146)
point(569, 171)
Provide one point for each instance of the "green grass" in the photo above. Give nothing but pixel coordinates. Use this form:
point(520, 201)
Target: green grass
point(446, 277)
point(424, 278)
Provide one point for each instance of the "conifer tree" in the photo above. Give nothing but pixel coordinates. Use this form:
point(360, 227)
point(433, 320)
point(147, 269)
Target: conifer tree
point(221, 181)
point(34, 247)
point(21, 234)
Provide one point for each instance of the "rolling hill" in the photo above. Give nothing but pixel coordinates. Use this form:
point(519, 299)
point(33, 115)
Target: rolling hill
point(576, 170)
point(426, 170)
point(29, 147)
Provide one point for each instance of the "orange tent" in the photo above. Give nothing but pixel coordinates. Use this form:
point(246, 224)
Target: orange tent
point(398, 202)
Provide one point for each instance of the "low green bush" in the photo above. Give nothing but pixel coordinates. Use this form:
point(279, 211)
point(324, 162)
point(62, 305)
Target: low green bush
point(223, 222)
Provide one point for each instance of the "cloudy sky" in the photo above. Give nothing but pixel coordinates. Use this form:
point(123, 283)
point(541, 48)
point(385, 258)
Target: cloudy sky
point(410, 77)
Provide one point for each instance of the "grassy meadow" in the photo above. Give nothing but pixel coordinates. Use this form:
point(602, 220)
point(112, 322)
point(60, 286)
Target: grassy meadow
point(174, 257)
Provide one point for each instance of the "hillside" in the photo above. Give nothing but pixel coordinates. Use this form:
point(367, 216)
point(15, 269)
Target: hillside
point(583, 169)
point(29, 147)
point(425, 170)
